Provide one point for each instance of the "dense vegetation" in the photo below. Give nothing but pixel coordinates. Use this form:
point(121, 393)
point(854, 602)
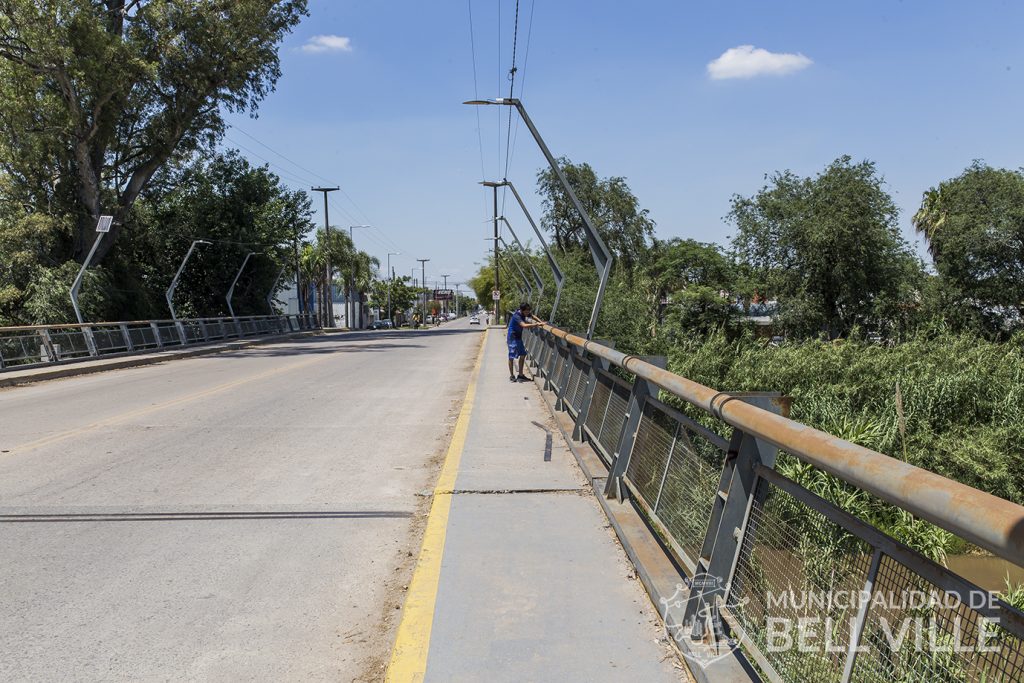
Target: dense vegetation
point(116, 107)
point(925, 365)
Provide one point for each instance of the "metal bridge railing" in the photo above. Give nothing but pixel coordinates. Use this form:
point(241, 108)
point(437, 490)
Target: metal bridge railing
point(25, 347)
point(764, 554)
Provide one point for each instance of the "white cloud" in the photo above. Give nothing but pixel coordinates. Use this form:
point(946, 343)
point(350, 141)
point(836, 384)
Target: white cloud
point(328, 44)
point(747, 61)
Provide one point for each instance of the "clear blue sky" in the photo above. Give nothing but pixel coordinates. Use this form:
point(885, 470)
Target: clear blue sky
point(921, 88)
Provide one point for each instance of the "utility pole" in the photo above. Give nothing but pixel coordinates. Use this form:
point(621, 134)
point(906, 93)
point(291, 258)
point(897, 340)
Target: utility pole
point(423, 279)
point(329, 299)
point(300, 298)
point(445, 303)
point(391, 281)
point(497, 275)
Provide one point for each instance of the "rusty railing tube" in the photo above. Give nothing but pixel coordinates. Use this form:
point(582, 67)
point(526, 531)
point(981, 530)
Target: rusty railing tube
point(986, 520)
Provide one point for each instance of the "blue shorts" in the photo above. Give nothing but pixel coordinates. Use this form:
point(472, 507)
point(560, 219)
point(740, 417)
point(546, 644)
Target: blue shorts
point(516, 348)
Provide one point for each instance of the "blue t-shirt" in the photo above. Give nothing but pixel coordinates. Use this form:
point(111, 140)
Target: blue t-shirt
point(515, 327)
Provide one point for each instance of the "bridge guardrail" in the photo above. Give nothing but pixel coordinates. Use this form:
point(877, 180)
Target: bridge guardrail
point(764, 554)
point(32, 346)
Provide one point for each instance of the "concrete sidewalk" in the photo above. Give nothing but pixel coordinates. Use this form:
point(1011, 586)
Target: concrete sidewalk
point(533, 585)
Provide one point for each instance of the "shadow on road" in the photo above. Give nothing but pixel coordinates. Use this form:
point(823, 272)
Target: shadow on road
point(194, 516)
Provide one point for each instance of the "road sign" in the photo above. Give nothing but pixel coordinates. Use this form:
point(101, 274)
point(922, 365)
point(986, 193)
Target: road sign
point(103, 225)
point(443, 295)
point(496, 294)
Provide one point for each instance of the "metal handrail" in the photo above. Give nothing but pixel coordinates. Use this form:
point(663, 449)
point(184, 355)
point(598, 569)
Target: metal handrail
point(988, 521)
point(36, 345)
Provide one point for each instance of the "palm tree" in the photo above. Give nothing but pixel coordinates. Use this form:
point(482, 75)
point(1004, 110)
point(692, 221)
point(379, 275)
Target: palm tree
point(931, 218)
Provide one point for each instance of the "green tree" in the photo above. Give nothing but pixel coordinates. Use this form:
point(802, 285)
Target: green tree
point(99, 95)
point(974, 225)
point(691, 283)
point(827, 247)
point(222, 199)
point(625, 227)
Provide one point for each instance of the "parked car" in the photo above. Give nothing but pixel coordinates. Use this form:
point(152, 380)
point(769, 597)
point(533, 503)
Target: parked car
point(382, 325)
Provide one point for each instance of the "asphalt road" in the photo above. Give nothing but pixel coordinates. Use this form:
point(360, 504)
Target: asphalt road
point(248, 515)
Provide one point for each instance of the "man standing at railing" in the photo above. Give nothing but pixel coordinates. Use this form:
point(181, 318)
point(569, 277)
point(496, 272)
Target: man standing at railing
point(519, 321)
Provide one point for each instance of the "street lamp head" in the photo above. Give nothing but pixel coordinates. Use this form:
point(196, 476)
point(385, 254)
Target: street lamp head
point(496, 100)
point(491, 183)
point(204, 242)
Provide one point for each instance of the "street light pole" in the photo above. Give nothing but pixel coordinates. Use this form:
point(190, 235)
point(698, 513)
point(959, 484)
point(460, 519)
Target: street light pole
point(231, 290)
point(556, 271)
point(423, 282)
point(102, 228)
point(273, 288)
point(328, 303)
point(526, 255)
point(598, 250)
point(169, 294)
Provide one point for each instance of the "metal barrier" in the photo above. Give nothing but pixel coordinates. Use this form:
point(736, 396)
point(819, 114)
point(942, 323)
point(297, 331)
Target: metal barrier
point(766, 558)
point(26, 347)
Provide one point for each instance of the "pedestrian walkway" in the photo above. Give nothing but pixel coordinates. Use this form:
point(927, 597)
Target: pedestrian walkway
point(520, 577)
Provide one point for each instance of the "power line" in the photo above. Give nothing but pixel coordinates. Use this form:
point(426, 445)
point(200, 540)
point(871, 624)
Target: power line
point(476, 95)
point(304, 169)
point(522, 80)
point(293, 163)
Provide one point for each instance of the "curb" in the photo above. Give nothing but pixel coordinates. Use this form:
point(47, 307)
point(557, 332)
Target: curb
point(123, 362)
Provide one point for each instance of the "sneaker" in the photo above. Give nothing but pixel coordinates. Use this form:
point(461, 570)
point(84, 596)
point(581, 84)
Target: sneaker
point(522, 378)
point(511, 378)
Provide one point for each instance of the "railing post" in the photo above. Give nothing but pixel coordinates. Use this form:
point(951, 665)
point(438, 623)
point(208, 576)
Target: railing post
point(857, 629)
point(51, 352)
point(181, 332)
point(730, 512)
point(202, 330)
point(128, 345)
point(156, 335)
point(562, 372)
point(588, 396)
point(638, 395)
point(90, 341)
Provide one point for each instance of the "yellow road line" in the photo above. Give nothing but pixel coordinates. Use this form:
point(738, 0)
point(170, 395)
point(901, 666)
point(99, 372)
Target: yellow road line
point(412, 643)
point(61, 436)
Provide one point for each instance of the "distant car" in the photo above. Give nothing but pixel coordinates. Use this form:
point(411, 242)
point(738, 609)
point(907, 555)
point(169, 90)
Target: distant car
point(382, 325)
point(474, 320)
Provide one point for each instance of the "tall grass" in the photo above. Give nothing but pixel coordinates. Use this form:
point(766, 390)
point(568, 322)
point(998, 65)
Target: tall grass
point(962, 397)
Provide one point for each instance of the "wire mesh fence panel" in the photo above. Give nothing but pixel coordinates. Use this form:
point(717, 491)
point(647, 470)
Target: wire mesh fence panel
point(193, 331)
point(574, 381)
point(109, 339)
point(795, 586)
point(142, 337)
point(649, 458)
point(598, 405)
point(550, 358)
point(916, 632)
point(691, 484)
point(168, 334)
point(558, 374)
point(214, 329)
point(581, 386)
point(615, 417)
point(21, 349)
point(69, 343)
